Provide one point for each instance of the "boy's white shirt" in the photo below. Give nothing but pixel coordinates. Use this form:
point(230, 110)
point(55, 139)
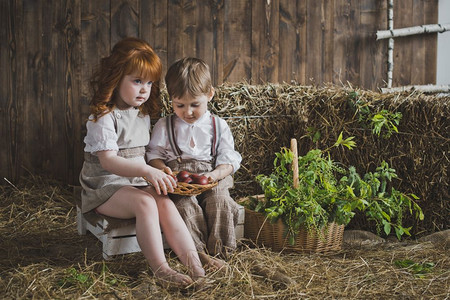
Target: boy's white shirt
point(200, 133)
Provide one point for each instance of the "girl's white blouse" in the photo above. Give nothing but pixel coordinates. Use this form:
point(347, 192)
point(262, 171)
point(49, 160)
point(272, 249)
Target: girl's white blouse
point(194, 141)
point(101, 135)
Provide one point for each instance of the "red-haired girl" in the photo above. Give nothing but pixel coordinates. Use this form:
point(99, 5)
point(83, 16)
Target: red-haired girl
point(126, 92)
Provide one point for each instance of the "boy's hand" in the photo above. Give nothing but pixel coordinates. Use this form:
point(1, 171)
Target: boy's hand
point(211, 177)
point(220, 172)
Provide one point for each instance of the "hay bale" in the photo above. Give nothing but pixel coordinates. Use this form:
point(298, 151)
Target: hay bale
point(264, 118)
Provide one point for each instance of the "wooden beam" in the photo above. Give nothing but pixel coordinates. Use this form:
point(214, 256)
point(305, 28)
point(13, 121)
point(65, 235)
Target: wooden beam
point(429, 88)
point(391, 43)
point(430, 28)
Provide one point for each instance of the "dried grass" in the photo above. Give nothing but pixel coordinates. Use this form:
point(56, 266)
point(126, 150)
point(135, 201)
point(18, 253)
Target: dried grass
point(43, 257)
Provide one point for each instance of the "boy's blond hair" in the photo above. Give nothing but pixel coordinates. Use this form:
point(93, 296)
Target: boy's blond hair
point(188, 76)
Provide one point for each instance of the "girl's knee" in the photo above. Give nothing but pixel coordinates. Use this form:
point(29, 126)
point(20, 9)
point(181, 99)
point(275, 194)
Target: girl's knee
point(146, 203)
point(165, 204)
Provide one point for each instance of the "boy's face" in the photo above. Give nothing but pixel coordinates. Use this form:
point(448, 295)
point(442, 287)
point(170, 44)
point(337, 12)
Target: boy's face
point(190, 109)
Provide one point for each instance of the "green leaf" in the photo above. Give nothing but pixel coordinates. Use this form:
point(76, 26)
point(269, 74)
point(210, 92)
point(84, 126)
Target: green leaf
point(314, 134)
point(421, 216)
point(385, 215)
point(404, 263)
point(387, 227)
point(406, 230)
point(353, 95)
point(349, 143)
point(394, 127)
point(291, 240)
point(418, 269)
point(339, 140)
point(399, 232)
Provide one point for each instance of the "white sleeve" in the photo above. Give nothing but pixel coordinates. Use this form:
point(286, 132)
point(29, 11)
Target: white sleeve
point(101, 135)
point(225, 152)
point(157, 148)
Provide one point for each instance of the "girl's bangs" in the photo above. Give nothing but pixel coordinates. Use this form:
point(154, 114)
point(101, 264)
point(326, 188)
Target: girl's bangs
point(145, 67)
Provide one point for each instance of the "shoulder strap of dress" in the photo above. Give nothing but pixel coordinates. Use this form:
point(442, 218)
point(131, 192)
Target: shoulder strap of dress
point(114, 118)
point(171, 134)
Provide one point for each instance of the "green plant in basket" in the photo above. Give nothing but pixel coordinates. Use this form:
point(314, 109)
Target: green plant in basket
point(328, 192)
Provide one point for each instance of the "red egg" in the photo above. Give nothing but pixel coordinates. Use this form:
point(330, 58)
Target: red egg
point(187, 180)
point(182, 175)
point(203, 180)
point(195, 177)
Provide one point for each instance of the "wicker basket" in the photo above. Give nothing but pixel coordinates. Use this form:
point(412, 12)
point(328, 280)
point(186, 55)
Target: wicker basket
point(273, 235)
point(190, 189)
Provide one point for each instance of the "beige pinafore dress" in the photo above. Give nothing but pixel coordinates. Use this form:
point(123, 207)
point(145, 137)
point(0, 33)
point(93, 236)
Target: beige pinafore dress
point(133, 135)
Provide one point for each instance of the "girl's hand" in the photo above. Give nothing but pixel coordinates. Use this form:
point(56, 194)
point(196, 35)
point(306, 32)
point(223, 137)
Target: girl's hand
point(167, 170)
point(162, 182)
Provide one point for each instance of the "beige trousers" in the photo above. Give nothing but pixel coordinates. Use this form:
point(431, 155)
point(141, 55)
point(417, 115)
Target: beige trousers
point(211, 216)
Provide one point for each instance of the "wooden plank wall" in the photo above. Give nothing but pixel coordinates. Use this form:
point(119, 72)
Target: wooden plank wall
point(48, 50)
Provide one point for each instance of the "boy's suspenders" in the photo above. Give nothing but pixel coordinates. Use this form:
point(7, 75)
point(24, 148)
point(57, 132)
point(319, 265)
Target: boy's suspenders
point(216, 136)
point(171, 132)
point(173, 144)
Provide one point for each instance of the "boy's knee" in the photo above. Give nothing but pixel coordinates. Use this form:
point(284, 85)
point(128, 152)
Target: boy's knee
point(220, 201)
point(185, 202)
point(188, 207)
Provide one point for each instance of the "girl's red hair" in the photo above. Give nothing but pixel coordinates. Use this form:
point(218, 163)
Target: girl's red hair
point(129, 56)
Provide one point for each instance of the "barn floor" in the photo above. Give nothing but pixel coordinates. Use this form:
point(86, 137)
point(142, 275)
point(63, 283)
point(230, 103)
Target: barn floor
point(43, 257)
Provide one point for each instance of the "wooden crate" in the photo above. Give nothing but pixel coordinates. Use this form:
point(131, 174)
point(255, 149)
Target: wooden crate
point(119, 236)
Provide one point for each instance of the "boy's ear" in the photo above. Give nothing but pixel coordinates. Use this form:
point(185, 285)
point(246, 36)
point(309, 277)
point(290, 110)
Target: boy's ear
point(211, 94)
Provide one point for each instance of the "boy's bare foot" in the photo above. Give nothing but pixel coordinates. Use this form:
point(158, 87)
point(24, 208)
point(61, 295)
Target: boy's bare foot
point(211, 262)
point(171, 278)
point(197, 271)
point(202, 282)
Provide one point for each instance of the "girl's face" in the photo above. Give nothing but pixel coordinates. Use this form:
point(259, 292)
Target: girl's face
point(190, 109)
point(133, 91)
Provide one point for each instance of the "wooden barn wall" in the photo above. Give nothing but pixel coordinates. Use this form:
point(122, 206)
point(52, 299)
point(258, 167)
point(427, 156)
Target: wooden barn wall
point(48, 50)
